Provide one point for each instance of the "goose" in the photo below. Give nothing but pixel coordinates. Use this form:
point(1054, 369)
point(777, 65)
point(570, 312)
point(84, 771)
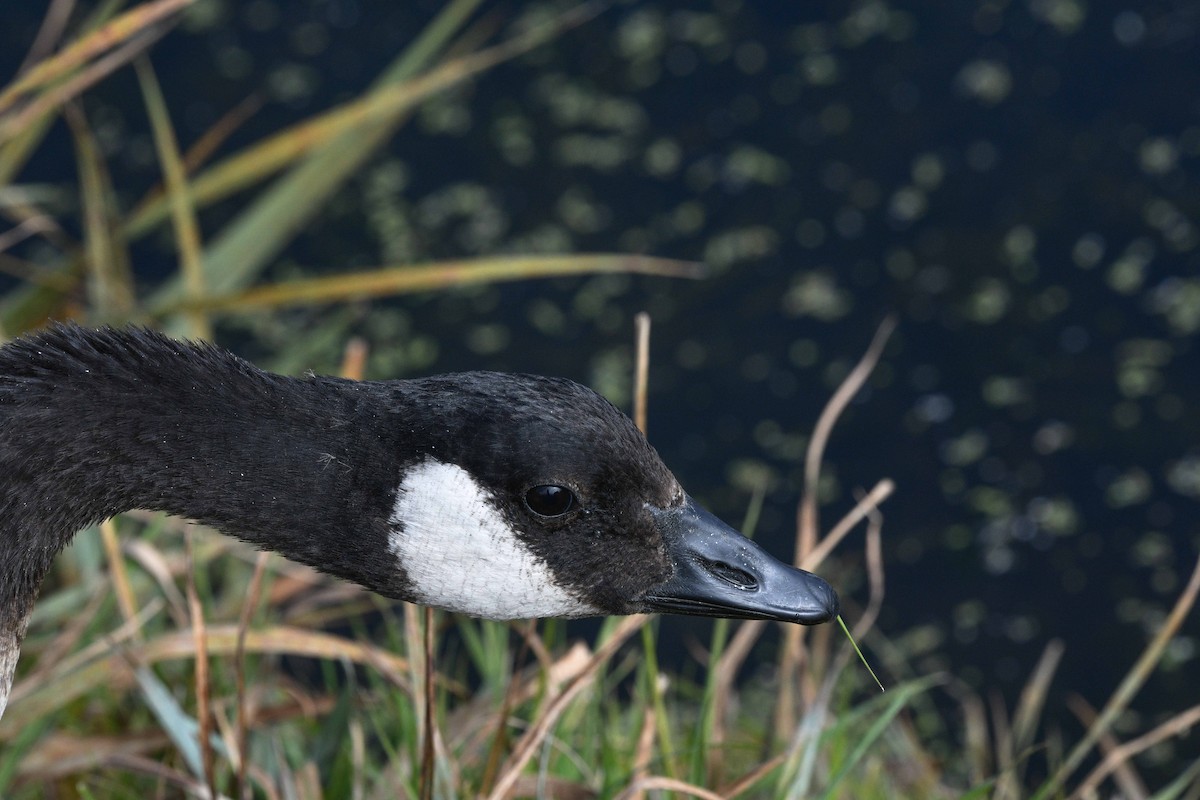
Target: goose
point(489, 494)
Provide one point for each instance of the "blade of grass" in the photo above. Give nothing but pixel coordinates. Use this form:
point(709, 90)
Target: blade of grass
point(387, 281)
point(875, 572)
point(1026, 715)
point(181, 727)
point(197, 155)
point(183, 213)
point(28, 305)
point(752, 778)
point(1173, 790)
point(49, 33)
point(278, 151)
point(863, 744)
point(122, 29)
point(111, 286)
point(126, 599)
point(240, 251)
point(861, 657)
point(654, 685)
point(13, 124)
point(27, 739)
point(15, 152)
point(244, 247)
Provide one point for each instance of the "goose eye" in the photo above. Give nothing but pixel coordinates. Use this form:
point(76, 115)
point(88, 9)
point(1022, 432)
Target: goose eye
point(549, 501)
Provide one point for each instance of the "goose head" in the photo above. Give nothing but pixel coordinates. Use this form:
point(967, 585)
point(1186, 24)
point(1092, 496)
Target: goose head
point(532, 496)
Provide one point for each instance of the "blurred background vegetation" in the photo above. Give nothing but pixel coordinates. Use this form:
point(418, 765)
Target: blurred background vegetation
point(1015, 181)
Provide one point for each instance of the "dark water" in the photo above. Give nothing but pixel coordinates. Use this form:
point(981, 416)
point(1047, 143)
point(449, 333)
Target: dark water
point(1016, 182)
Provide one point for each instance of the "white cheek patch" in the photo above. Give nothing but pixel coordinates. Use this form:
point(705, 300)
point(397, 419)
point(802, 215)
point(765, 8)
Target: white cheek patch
point(461, 555)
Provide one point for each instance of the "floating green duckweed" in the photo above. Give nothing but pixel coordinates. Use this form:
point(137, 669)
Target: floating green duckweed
point(854, 644)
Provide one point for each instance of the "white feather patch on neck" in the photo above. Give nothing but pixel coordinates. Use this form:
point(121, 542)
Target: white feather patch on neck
point(461, 555)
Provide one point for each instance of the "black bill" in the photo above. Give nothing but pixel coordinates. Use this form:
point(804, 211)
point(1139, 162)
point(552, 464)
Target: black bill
point(720, 573)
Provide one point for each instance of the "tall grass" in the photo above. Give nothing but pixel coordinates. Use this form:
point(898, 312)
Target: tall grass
point(165, 662)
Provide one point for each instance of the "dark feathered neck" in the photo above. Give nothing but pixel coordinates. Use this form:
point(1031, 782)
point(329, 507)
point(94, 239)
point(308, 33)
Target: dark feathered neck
point(93, 423)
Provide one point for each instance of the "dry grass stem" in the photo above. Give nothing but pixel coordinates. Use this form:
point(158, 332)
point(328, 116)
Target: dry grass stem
point(253, 594)
point(644, 751)
point(807, 524)
point(975, 731)
point(641, 369)
point(58, 668)
point(49, 32)
point(1002, 736)
point(406, 279)
point(428, 773)
point(1129, 686)
point(530, 641)
point(793, 653)
point(169, 777)
point(53, 657)
point(1033, 696)
point(1175, 726)
point(656, 783)
point(200, 643)
point(126, 599)
point(13, 124)
point(1126, 777)
point(736, 652)
point(744, 783)
point(220, 640)
point(875, 574)
point(354, 359)
point(151, 559)
point(128, 26)
point(538, 730)
point(862, 510)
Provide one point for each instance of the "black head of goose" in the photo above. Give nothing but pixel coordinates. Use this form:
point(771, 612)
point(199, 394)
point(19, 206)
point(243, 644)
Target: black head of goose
point(495, 495)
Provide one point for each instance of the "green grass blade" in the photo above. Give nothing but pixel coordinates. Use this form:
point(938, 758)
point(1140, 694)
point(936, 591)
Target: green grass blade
point(110, 288)
point(243, 248)
point(654, 694)
point(1176, 788)
point(981, 791)
point(276, 152)
point(183, 213)
point(863, 658)
point(863, 745)
point(181, 727)
point(14, 752)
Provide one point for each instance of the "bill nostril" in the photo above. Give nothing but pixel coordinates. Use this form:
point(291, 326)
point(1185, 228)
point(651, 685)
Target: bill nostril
point(737, 578)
